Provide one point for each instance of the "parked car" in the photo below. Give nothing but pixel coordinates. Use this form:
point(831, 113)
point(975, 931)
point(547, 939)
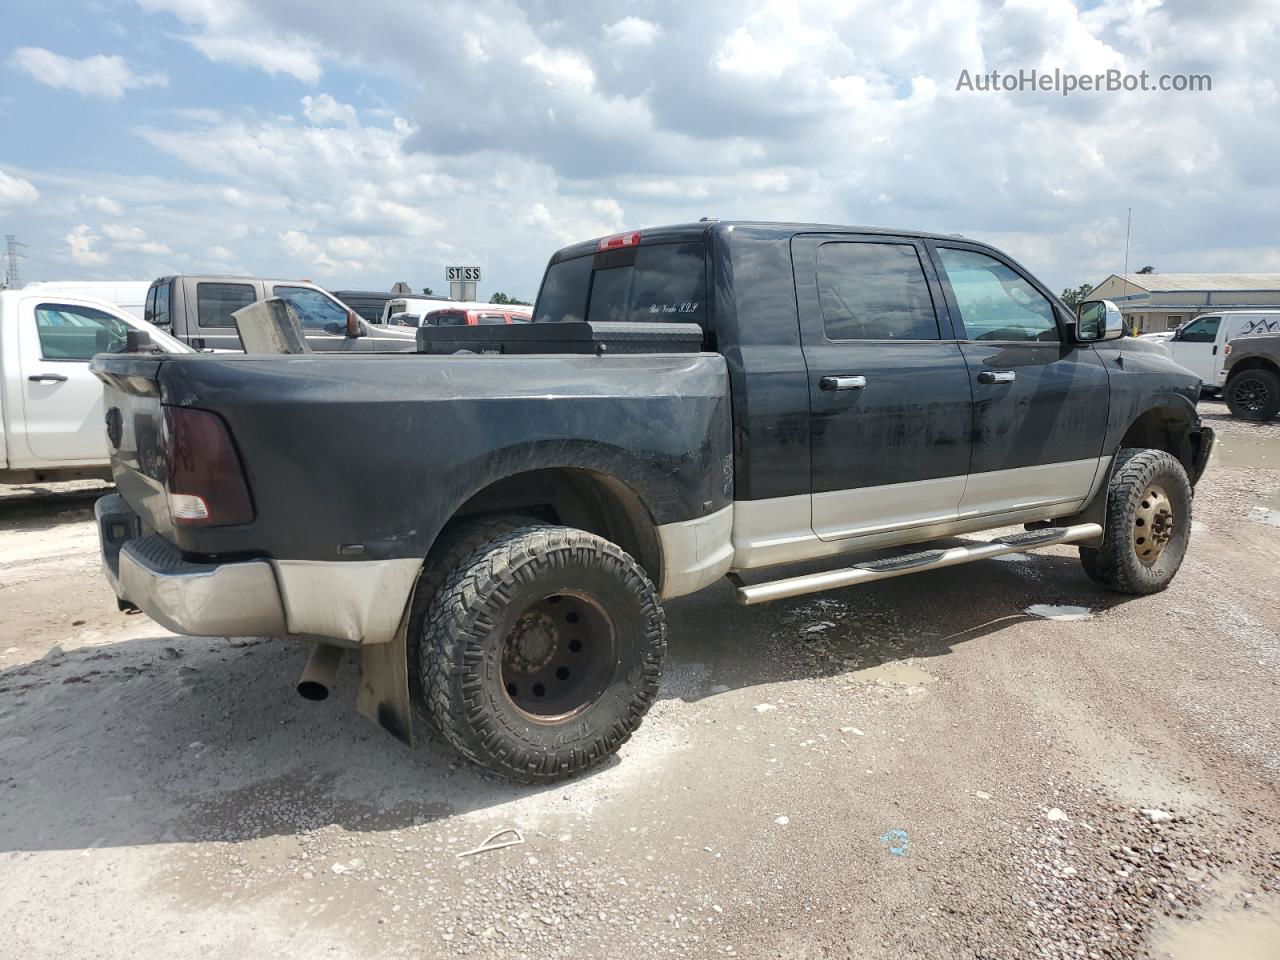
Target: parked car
point(823, 392)
point(1197, 345)
point(50, 404)
point(474, 316)
point(127, 294)
point(1250, 377)
point(368, 304)
point(197, 310)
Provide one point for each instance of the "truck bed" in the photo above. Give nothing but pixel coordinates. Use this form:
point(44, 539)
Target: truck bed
point(380, 450)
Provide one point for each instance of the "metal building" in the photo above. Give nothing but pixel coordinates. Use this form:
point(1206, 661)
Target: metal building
point(1153, 302)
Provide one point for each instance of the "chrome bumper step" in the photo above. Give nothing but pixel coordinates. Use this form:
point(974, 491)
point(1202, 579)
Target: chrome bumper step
point(872, 570)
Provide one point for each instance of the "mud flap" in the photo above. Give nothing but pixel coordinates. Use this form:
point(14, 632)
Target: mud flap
point(384, 683)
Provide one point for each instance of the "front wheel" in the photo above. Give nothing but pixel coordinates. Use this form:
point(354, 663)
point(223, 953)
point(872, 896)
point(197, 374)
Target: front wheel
point(1253, 394)
point(541, 652)
point(1147, 526)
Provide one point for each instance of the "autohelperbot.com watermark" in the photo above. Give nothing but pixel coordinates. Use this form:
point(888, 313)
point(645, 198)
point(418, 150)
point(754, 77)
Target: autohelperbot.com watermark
point(1066, 83)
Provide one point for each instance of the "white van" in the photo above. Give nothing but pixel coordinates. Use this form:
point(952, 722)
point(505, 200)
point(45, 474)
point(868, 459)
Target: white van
point(1198, 344)
point(129, 295)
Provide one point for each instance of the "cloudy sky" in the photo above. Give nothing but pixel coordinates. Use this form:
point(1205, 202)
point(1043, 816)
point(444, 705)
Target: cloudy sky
point(363, 143)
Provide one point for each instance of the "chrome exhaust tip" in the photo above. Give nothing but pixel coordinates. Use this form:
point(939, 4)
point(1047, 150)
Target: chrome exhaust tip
point(321, 672)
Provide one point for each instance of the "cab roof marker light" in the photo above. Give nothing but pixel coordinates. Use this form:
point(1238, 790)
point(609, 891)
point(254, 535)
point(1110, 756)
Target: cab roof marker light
point(619, 240)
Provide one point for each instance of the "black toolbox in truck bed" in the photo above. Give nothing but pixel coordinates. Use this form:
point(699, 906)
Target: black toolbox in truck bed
point(564, 337)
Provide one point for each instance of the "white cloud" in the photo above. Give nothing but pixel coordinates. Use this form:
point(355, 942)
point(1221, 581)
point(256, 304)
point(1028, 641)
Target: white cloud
point(129, 239)
point(632, 32)
point(97, 76)
point(231, 31)
point(101, 204)
point(16, 192)
point(80, 243)
point(324, 111)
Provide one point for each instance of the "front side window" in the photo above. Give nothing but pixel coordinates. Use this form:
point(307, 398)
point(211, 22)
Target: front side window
point(1201, 330)
point(215, 302)
point(874, 291)
point(69, 332)
point(996, 303)
point(315, 310)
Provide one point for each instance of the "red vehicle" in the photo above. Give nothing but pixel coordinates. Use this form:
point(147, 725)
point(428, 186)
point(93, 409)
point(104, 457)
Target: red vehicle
point(468, 317)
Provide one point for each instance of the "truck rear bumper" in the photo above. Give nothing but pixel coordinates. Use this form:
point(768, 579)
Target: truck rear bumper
point(200, 599)
point(348, 603)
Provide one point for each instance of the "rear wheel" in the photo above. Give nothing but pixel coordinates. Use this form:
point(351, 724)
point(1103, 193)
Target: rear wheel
point(1147, 526)
point(541, 652)
point(1253, 394)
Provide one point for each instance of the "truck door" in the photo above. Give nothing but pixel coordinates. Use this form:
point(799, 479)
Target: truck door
point(208, 309)
point(61, 399)
point(1196, 347)
point(889, 396)
point(1040, 401)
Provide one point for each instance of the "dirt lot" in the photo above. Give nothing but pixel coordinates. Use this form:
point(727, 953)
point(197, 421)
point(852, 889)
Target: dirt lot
point(916, 768)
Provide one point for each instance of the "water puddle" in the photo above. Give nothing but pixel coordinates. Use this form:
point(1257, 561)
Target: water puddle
point(1238, 451)
point(1225, 932)
point(1268, 511)
point(1049, 611)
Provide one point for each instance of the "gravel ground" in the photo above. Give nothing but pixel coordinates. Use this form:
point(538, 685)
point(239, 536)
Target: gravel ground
point(915, 768)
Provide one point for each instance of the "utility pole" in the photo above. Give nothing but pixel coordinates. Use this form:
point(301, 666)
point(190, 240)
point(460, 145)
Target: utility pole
point(11, 261)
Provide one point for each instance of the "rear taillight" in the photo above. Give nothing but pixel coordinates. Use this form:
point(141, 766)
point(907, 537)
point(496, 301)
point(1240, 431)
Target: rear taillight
point(205, 483)
point(620, 240)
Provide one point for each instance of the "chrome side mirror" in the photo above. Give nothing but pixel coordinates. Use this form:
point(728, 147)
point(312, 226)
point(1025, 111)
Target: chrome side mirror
point(1098, 320)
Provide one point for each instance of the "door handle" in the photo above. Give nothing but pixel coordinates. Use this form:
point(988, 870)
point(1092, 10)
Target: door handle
point(842, 383)
point(997, 376)
point(47, 378)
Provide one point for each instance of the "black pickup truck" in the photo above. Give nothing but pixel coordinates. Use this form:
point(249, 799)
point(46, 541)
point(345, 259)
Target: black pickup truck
point(847, 391)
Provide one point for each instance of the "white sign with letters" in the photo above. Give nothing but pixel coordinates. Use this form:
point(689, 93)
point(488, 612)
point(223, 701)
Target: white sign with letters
point(462, 274)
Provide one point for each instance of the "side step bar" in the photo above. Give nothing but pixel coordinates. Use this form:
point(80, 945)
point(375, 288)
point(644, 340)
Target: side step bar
point(912, 563)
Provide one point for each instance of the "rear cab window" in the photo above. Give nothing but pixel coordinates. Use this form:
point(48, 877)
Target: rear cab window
point(662, 282)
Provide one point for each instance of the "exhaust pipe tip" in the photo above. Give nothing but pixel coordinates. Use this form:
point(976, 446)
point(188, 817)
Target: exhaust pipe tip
point(320, 673)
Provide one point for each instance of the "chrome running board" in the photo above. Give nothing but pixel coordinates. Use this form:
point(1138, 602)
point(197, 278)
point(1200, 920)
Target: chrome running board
point(748, 594)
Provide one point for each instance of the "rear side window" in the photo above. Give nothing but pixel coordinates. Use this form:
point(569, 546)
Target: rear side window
point(647, 283)
point(874, 291)
point(215, 302)
point(70, 332)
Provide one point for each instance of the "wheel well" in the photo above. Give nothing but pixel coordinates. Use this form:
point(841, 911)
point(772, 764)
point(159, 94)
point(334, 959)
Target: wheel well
point(1163, 429)
point(1253, 363)
point(575, 497)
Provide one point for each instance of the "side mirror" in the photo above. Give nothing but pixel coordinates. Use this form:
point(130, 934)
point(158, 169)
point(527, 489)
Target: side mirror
point(1098, 320)
point(1177, 334)
point(354, 327)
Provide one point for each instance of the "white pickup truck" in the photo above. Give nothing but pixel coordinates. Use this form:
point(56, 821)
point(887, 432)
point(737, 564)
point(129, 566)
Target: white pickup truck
point(51, 425)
